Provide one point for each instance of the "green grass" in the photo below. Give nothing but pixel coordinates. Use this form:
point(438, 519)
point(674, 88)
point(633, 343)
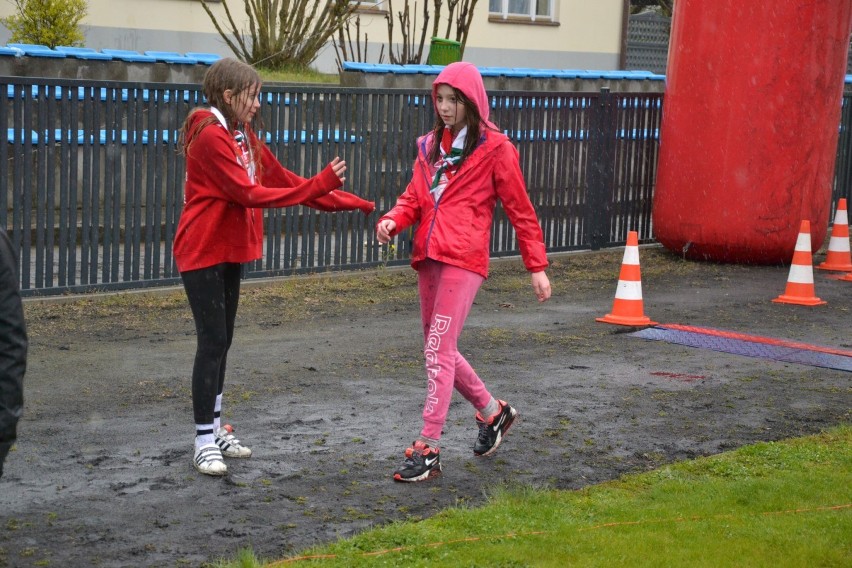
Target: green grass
point(771, 504)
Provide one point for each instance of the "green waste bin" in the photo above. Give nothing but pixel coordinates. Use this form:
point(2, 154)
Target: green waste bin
point(444, 51)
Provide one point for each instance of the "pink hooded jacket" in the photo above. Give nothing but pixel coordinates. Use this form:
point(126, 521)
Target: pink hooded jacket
point(456, 229)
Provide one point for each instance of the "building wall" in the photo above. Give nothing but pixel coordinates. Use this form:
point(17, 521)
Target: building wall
point(140, 25)
point(145, 15)
point(588, 34)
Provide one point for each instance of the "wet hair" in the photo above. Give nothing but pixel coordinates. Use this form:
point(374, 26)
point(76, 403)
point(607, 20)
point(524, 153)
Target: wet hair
point(474, 127)
point(225, 74)
point(228, 74)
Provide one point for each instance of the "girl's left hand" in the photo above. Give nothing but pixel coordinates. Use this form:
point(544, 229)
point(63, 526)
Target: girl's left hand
point(541, 286)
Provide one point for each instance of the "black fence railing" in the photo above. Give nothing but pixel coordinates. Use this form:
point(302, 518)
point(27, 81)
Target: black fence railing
point(843, 163)
point(93, 185)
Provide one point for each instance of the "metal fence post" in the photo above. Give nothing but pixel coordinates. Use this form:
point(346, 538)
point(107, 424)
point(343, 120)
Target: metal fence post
point(843, 164)
point(600, 164)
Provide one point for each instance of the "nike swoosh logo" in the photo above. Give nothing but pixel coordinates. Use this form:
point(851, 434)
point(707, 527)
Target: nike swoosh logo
point(499, 423)
point(429, 462)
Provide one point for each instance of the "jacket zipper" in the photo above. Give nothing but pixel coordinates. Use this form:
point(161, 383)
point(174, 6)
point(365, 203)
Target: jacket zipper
point(434, 216)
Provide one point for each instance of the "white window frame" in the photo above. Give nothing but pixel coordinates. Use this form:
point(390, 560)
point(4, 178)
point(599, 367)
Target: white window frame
point(506, 15)
point(370, 6)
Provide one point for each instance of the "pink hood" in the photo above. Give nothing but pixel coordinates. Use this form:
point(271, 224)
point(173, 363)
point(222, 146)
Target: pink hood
point(465, 77)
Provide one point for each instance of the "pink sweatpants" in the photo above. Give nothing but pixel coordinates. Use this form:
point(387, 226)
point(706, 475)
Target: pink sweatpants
point(446, 296)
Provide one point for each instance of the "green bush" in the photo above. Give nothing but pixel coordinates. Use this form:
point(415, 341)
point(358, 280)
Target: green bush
point(47, 22)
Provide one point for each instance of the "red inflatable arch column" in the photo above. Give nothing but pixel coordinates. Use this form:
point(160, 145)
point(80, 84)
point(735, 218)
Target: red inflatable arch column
point(749, 129)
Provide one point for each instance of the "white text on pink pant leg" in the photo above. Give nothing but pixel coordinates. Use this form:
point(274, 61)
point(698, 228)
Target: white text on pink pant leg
point(439, 327)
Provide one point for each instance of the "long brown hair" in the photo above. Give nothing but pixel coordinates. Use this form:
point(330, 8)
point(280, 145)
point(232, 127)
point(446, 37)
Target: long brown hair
point(474, 125)
point(225, 74)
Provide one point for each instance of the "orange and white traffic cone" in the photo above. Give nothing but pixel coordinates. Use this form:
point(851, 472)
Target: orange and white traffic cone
point(800, 282)
point(838, 256)
point(627, 309)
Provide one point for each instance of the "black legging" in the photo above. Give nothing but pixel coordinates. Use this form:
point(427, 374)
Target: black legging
point(213, 295)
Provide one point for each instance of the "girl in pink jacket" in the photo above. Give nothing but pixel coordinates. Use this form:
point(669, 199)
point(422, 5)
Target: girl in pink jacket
point(464, 165)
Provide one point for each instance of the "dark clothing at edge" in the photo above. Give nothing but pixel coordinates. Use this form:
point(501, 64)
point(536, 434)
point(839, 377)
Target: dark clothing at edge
point(13, 348)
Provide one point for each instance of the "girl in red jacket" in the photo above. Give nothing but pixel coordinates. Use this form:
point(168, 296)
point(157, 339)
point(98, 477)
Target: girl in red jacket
point(464, 165)
point(230, 176)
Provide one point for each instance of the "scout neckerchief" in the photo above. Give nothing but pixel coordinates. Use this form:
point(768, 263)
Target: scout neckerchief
point(241, 145)
point(451, 153)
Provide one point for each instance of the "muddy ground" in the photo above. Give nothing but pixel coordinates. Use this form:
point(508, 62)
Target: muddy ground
point(326, 384)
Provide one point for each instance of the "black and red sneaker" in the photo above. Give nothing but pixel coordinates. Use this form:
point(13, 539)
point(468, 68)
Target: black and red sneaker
point(493, 430)
point(421, 463)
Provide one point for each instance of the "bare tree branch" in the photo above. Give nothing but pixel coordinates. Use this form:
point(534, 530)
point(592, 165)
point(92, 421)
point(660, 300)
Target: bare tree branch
point(282, 33)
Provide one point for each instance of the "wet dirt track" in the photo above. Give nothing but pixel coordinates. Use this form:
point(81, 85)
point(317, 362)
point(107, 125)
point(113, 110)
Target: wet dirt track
point(101, 474)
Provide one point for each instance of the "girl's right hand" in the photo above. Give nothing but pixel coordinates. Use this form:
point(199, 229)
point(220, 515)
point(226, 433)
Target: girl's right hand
point(541, 286)
point(338, 166)
point(384, 228)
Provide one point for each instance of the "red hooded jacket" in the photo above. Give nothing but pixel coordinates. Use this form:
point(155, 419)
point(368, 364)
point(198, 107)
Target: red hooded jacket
point(222, 219)
point(457, 228)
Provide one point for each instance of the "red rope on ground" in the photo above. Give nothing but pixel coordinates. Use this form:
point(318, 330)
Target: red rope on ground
point(756, 339)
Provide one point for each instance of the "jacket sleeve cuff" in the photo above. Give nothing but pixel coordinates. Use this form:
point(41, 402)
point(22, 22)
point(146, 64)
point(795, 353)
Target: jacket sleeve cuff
point(329, 179)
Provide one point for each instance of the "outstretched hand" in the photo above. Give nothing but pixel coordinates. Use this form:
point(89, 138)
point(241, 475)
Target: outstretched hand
point(541, 286)
point(338, 166)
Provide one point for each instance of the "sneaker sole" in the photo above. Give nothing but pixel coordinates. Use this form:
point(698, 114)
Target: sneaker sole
point(515, 418)
point(248, 455)
point(424, 477)
point(210, 473)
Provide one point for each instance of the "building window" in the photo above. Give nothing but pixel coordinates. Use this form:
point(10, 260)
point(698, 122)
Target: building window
point(521, 10)
point(370, 6)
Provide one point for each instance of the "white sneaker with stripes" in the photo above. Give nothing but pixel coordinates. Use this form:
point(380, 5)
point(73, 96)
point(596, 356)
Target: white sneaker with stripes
point(229, 444)
point(208, 460)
